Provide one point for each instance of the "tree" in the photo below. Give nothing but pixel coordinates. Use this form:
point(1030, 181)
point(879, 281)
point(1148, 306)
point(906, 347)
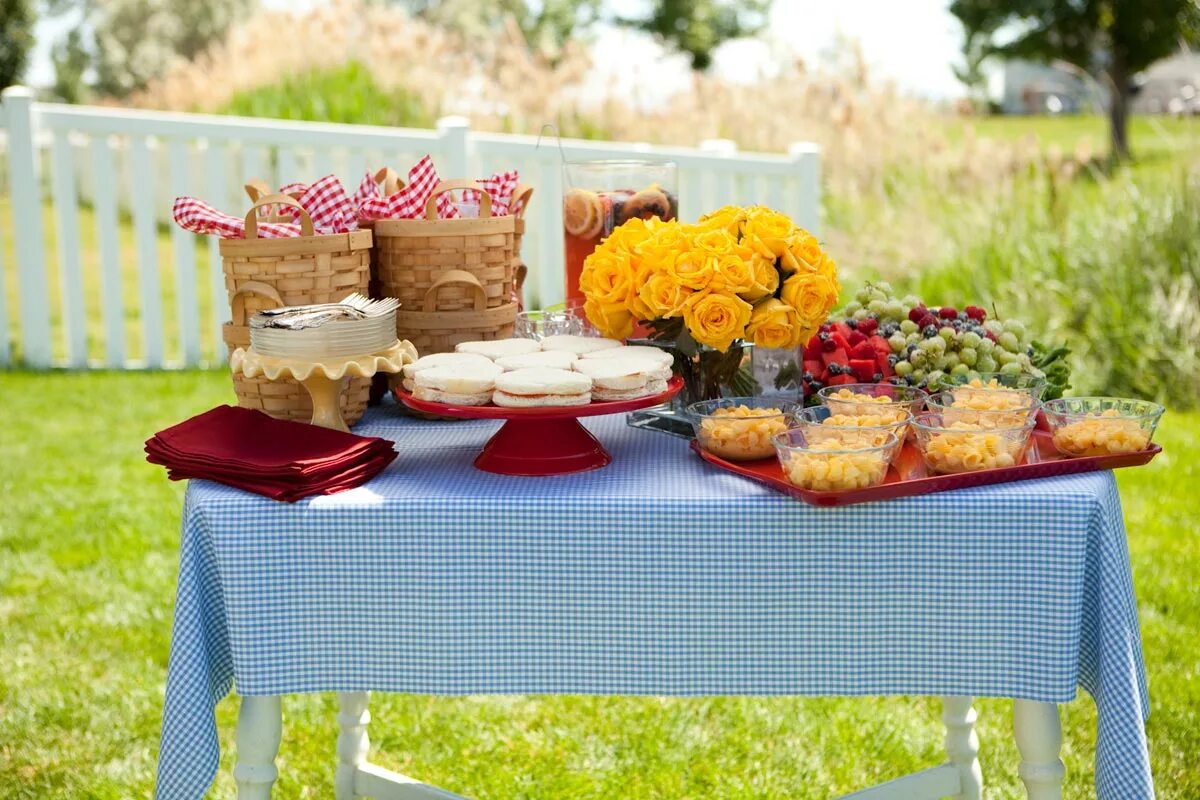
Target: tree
point(697, 27)
point(1111, 40)
point(547, 25)
point(71, 61)
point(16, 39)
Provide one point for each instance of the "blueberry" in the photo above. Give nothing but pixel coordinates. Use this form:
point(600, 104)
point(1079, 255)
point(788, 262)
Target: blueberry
point(892, 359)
point(929, 331)
point(889, 330)
point(896, 380)
point(852, 323)
point(877, 377)
point(912, 348)
point(807, 376)
point(816, 386)
point(823, 336)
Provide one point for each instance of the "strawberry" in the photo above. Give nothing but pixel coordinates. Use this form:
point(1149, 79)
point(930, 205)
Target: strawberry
point(976, 313)
point(868, 326)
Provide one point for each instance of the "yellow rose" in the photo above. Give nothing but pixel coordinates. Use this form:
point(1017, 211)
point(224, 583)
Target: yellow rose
point(611, 319)
point(607, 275)
point(727, 218)
point(662, 296)
point(767, 232)
point(717, 242)
point(812, 295)
point(766, 278)
point(803, 253)
point(827, 267)
point(716, 319)
point(629, 235)
point(734, 274)
point(775, 324)
point(663, 248)
point(694, 269)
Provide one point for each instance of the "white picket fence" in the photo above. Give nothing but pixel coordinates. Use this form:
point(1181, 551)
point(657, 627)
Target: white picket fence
point(62, 160)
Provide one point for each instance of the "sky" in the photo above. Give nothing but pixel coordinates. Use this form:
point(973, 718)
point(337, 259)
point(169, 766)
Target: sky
point(910, 42)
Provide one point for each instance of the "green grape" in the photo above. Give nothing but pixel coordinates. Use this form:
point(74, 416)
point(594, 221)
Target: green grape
point(1015, 327)
point(960, 370)
point(950, 361)
point(897, 342)
point(985, 345)
point(877, 306)
point(919, 358)
point(860, 314)
point(903, 368)
point(1025, 362)
point(938, 344)
point(863, 295)
point(986, 363)
point(886, 288)
point(907, 326)
point(1011, 368)
point(910, 301)
point(927, 345)
point(850, 308)
point(1003, 357)
point(1008, 341)
point(894, 310)
point(917, 376)
point(995, 326)
point(947, 333)
point(971, 339)
point(878, 296)
point(913, 338)
point(968, 356)
point(934, 378)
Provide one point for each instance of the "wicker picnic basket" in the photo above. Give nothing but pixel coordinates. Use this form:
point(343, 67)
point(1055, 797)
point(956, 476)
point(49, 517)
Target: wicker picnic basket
point(268, 273)
point(284, 398)
point(454, 277)
point(520, 197)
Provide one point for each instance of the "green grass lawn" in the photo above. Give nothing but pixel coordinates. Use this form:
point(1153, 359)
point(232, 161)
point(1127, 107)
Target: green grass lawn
point(88, 558)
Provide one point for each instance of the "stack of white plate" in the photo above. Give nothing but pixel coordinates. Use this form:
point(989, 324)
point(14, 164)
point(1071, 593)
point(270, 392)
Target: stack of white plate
point(339, 338)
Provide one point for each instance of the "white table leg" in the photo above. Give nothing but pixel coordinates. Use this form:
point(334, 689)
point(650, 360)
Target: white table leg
point(1039, 737)
point(259, 729)
point(353, 743)
point(962, 744)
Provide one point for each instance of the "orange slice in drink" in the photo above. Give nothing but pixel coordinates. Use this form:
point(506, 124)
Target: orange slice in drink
point(583, 216)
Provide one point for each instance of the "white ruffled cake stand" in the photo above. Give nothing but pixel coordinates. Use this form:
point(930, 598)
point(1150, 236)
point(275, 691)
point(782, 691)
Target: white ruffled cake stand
point(324, 379)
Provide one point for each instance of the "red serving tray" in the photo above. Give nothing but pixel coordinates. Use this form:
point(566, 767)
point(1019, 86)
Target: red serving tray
point(908, 476)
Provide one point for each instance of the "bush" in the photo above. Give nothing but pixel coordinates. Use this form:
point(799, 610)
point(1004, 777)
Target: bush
point(346, 94)
point(1114, 271)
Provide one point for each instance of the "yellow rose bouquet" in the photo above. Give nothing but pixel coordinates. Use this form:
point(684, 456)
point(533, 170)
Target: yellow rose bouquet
point(737, 275)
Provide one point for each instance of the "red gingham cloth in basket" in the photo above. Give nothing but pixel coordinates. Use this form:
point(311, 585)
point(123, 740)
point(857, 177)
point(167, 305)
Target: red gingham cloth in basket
point(325, 201)
point(500, 187)
point(409, 202)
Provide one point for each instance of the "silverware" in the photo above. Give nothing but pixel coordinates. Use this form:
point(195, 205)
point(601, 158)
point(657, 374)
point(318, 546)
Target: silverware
point(353, 307)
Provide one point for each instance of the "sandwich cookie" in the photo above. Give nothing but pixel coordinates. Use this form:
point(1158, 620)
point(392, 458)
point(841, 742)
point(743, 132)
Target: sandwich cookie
point(624, 379)
point(542, 386)
point(557, 359)
point(498, 348)
point(457, 384)
point(655, 354)
point(578, 344)
point(439, 360)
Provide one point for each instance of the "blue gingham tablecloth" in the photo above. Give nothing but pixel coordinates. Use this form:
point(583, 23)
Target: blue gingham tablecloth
point(656, 575)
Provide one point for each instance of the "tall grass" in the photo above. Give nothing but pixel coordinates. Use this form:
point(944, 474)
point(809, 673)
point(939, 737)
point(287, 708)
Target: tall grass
point(1113, 269)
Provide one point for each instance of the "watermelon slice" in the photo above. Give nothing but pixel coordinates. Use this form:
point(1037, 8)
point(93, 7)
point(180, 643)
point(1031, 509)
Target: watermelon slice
point(814, 366)
point(881, 346)
point(836, 356)
point(864, 368)
point(863, 349)
point(839, 380)
point(856, 338)
point(812, 349)
point(839, 340)
point(842, 329)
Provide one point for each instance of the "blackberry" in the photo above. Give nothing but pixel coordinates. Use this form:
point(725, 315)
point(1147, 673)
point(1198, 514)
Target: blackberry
point(929, 331)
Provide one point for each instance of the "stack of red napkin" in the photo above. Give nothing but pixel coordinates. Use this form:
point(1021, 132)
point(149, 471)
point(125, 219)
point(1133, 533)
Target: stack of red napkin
point(282, 460)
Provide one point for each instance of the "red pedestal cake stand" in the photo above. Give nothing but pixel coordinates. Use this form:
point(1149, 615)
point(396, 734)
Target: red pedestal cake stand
point(541, 441)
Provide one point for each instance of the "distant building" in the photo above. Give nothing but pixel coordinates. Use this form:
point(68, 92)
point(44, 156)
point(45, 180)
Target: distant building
point(1171, 86)
point(1033, 88)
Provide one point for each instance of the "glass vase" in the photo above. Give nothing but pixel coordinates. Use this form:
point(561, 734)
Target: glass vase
point(707, 374)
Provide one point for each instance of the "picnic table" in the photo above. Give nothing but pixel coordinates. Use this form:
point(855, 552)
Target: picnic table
point(655, 576)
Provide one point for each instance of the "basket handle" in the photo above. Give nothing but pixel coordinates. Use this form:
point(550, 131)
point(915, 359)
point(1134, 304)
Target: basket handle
point(256, 188)
point(389, 181)
point(238, 301)
point(485, 199)
point(306, 226)
point(455, 276)
point(520, 197)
